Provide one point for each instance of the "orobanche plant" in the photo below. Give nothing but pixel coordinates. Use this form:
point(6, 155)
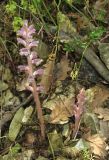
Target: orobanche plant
point(25, 38)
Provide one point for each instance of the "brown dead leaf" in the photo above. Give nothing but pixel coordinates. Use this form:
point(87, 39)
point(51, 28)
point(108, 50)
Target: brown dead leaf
point(101, 94)
point(103, 113)
point(47, 77)
point(99, 4)
point(62, 111)
point(104, 128)
point(63, 68)
point(97, 145)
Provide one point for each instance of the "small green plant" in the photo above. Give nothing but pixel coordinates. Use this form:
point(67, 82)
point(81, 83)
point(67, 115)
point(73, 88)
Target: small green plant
point(71, 45)
point(96, 34)
point(101, 15)
point(75, 72)
point(68, 47)
point(85, 154)
point(11, 7)
point(14, 150)
point(24, 4)
point(32, 8)
point(17, 23)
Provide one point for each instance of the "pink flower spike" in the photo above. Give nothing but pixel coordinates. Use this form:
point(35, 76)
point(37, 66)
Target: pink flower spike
point(21, 41)
point(38, 72)
point(79, 106)
point(81, 97)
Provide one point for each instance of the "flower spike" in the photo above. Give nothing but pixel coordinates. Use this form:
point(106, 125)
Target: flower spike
point(25, 38)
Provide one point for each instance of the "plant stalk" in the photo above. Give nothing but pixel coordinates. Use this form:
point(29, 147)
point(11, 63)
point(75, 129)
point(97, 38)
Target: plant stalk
point(37, 101)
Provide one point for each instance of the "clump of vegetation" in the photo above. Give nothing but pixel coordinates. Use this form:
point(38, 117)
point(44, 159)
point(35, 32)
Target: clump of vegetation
point(85, 154)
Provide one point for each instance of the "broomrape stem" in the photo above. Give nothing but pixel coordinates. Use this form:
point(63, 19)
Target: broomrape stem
point(39, 111)
point(77, 125)
point(37, 101)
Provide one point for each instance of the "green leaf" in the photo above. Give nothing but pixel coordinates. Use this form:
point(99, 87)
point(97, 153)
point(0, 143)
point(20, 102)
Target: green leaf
point(16, 124)
point(27, 114)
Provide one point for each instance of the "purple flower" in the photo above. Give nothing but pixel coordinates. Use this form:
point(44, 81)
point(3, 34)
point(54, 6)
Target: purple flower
point(21, 41)
point(37, 61)
point(38, 72)
point(30, 79)
point(40, 88)
point(24, 52)
point(33, 55)
point(22, 33)
point(33, 44)
point(23, 68)
point(31, 29)
point(26, 31)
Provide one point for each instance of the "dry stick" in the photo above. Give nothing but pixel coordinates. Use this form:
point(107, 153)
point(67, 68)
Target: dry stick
point(37, 100)
point(92, 58)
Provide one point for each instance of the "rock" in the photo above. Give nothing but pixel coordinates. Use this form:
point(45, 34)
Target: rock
point(104, 53)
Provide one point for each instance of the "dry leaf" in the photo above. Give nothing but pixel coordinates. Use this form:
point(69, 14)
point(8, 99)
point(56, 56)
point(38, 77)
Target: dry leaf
point(99, 4)
point(62, 111)
point(63, 69)
point(97, 145)
point(47, 77)
point(101, 94)
point(104, 128)
point(103, 113)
